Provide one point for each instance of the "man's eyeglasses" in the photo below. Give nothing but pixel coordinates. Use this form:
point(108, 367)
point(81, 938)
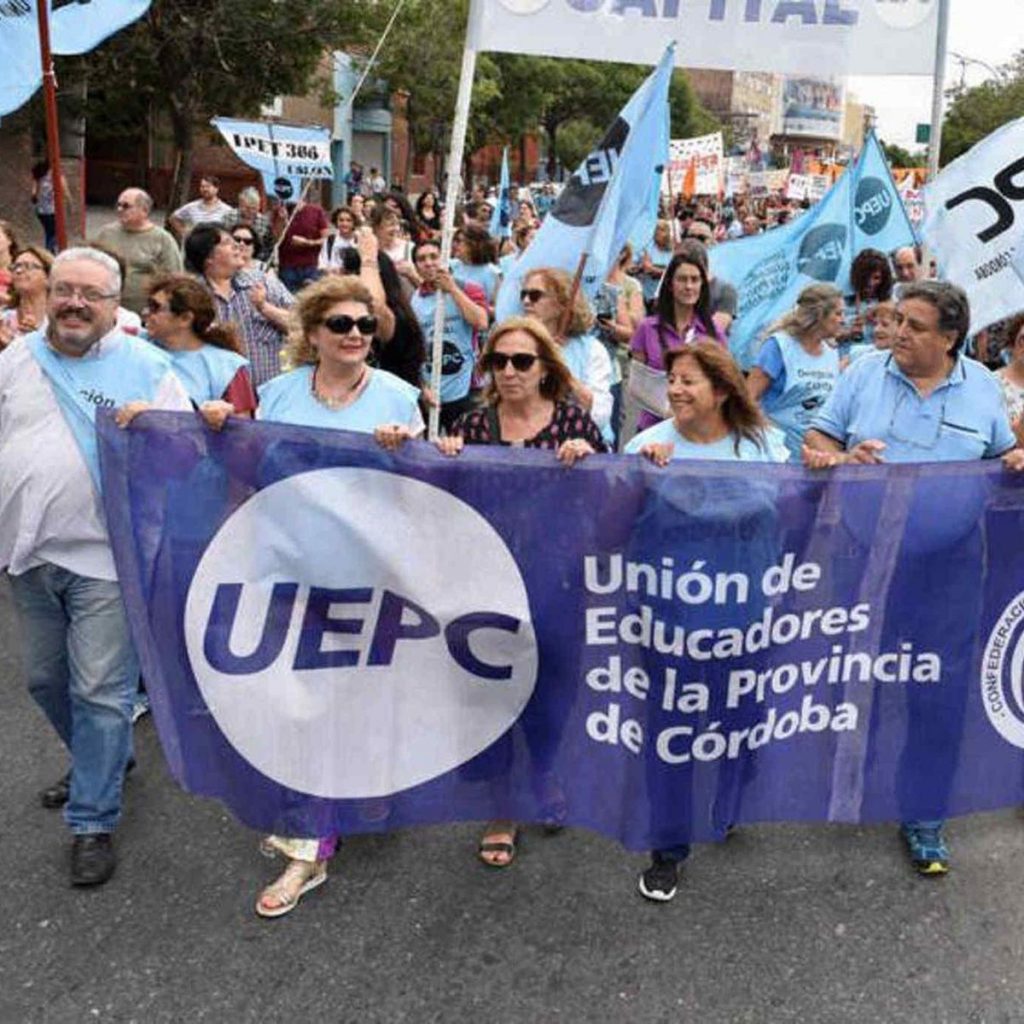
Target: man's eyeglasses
point(88, 294)
point(533, 294)
point(124, 206)
point(521, 361)
point(343, 324)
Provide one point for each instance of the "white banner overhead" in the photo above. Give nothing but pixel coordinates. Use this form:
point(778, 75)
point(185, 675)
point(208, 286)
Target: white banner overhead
point(791, 36)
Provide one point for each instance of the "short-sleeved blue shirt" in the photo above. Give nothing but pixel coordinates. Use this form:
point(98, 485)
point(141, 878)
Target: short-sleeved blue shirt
point(962, 419)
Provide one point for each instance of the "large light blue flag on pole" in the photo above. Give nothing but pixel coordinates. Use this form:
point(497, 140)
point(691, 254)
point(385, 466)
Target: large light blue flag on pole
point(599, 208)
point(863, 210)
point(76, 26)
point(284, 154)
point(501, 218)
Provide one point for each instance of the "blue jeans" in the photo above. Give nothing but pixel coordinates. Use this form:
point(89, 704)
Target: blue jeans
point(83, 672)
point(293, 278)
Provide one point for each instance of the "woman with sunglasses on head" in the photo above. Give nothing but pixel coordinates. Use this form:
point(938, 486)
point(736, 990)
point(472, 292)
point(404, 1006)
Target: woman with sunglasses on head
point(206, 356)
point(331, 386)
point(528, 404)
point(30, 275)
point(546, 295)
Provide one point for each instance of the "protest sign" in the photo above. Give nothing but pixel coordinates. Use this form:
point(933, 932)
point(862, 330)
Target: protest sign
point(284, 154)
point(862, 210)
point(844, 36)
point(662, 653)
point(974, 223)
point(704, 155)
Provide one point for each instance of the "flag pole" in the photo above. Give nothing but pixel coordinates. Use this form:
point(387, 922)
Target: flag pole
point(938, 90)
point(455, 156)
point(52, 130)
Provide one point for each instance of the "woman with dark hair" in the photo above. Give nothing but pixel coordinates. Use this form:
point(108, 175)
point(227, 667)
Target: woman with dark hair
point(256, 303)
point(476, 261)
point(713, 418)
point(797, 367)
point(387, 226)
point(428, 214)
point(205, 355)
point(872, 281)
point(343, 237)
point(682, 316)
point(713, 415)
point(398, 202)
point(528, 403)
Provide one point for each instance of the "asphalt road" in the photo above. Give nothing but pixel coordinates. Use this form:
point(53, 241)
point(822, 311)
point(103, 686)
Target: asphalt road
point(780, 924)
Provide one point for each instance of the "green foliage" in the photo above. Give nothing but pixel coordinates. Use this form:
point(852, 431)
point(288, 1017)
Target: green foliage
point(977, 112)
point(900, 157)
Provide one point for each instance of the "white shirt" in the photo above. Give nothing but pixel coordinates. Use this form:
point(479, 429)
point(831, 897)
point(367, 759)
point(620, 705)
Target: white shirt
point(50, 511)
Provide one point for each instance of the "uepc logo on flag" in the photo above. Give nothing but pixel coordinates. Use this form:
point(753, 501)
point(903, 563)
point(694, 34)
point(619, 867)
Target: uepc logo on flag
point(1002, 673)
point(358, 637)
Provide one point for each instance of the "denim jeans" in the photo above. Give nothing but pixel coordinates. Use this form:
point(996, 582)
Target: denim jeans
point(294, 278)
point(83, 672)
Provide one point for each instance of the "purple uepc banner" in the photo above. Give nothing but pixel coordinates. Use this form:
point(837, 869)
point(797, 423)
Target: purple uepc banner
point(337, 639)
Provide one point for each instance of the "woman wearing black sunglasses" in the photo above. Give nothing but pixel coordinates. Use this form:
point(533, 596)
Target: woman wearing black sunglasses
point(331, 386)
point(527, 403)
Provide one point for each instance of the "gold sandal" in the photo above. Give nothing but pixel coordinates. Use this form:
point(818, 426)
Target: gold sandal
point(284, 891)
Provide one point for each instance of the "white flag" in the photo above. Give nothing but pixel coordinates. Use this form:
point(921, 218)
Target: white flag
point(974, 222)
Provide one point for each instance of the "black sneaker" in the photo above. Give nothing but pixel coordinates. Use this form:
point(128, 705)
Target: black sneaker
point(56, 796)
point(659, 881)
point(92, 859)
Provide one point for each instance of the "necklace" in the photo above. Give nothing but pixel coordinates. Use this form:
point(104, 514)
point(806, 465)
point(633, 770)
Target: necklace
point(335, 402)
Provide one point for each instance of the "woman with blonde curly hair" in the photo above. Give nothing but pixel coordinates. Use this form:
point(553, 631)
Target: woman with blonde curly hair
point(331, 385)
point(545, 295)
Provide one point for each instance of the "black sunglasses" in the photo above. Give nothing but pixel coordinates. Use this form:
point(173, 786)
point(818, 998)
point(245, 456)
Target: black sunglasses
point(521, 361)
point(343, 324)
point(533, 294)
point(244, 239)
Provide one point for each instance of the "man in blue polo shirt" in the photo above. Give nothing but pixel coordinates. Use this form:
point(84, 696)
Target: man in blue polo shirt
point(924, 402)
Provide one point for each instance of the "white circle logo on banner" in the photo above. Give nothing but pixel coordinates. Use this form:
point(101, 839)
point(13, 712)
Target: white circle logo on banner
point(1002, 673)
point(905, 13)
point(524, 6)
point(359, 653)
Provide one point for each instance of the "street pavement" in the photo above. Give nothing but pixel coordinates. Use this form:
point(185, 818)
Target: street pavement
point(780, 924)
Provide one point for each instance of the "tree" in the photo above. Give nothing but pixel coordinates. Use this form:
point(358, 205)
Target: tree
point(900, 157)
point(196, 60)
point(975, 113)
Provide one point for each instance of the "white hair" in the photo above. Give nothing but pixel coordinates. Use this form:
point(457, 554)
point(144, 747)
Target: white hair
point(249, 195)
point(85, 252)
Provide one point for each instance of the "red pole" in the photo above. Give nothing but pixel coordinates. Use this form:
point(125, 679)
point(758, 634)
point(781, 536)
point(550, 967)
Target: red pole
point(52, 138)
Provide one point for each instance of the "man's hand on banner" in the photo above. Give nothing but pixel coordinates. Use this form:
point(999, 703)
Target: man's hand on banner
point(661, 454)
point(124, 416)
point(216, 414)
point(867, 453)
point(572, 452)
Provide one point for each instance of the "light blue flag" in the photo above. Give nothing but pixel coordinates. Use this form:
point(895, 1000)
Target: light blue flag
point(284, 154)
point(76, 26)
point(602, 202)
point(501, 218)
point(863, 210)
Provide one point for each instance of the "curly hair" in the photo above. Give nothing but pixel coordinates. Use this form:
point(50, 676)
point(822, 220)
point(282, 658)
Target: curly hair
point(186, 295)
point(310, 308)
point(866, 263)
